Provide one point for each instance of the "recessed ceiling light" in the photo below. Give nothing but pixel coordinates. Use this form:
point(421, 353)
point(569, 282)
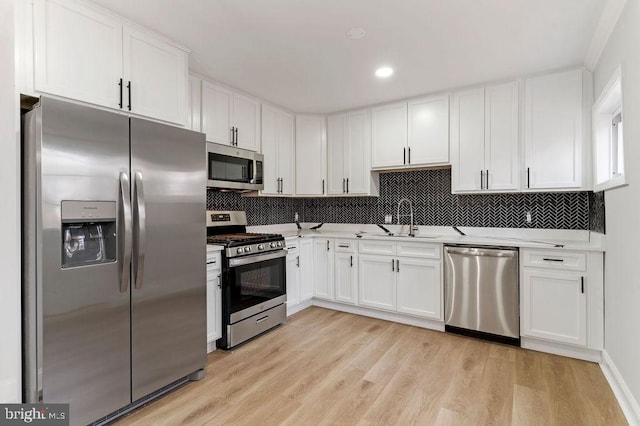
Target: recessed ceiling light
point(384, 72)
point(356, 33)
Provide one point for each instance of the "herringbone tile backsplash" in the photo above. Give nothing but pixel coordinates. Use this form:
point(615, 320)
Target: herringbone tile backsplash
point(430, 193)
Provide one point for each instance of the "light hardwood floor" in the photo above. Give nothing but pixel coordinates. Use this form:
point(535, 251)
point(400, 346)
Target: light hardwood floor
point(327, 367)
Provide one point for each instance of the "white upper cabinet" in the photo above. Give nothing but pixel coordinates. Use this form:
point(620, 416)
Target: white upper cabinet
point(484, 139)
point(389, 136)
point(311, 155)
point(195, 104)
point(230, 118)
point(349, 153)
point(411, 134)
point(553, 133)
point(84, 53)
point(246, 119)
point(428, 131)
point(156, 76)
point(78, 52)
point(467, 141)
point(216, 113)
point(501, 153)
point(278, 150)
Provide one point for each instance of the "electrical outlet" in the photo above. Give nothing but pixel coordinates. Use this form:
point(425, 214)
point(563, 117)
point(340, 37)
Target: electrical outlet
point(528, 217)
point(295, 217)
point(388, 218)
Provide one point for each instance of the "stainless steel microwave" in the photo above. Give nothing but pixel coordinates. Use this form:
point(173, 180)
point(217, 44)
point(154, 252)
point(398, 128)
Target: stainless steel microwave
point(234, 168)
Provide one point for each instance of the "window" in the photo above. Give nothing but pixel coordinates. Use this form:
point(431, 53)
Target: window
point(608, 134)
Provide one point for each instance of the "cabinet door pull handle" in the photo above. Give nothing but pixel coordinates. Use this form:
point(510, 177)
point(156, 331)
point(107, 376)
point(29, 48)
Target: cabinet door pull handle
point(528, 179)
point(409, 162)
point(487, 179)
point(236, 132)
point(327, 245)
point(343, 185)
point(548, 259)
point(351, 261)
point(298, 261)
point(129, 90)
point(347, 185)
point(322, 186)
point(393, 265)
point(481, 179)
point(404, 155)
point(232, 134)
point(397, 265)
point(120, 103)
point(582, 284)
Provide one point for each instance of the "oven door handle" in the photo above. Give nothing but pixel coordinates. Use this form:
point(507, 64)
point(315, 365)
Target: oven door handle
point(247, 260)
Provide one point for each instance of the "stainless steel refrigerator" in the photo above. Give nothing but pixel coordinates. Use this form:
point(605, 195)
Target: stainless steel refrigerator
point(114, 257)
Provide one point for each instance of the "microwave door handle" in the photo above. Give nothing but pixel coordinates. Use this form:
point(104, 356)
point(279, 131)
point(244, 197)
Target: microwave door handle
point(125, 247)
point(140, 214)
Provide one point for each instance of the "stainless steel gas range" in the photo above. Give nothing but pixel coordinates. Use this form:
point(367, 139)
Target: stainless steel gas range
point(253, 277)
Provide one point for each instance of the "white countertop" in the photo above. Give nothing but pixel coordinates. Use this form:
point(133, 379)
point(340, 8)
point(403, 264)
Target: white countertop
point(556, 239)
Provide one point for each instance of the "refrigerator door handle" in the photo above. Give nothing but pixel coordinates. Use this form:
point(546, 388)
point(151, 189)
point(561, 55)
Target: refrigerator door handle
point(125, 205)
point(140, 230)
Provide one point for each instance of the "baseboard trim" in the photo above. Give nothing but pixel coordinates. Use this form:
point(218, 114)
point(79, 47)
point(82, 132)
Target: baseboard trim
point(294, 309)
point(387, 316)
point(561, 349)
point(211, 346)
point(625, 398)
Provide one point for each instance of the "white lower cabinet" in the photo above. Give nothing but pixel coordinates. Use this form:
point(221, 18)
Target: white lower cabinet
point(214, 299)
point(419, 287)
point(346, 278)
point(377, 282)
point(306, 269)
point(562, 302)
point(554, 306)
point(323, 269)
point(293, 276)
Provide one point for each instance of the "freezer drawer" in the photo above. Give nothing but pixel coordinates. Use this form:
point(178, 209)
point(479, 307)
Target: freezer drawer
point(481, 291)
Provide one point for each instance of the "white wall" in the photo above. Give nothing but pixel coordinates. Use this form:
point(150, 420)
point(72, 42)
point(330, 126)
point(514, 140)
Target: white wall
point(10, 361)
point(622, 280)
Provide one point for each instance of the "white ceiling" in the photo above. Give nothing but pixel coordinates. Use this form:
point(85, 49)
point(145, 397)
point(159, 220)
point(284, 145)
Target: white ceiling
point(295, 53)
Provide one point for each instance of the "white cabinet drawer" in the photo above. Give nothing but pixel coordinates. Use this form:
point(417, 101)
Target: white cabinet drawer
point(346, 246)
point(553, 259)
point(377, 247)
point(420, 250)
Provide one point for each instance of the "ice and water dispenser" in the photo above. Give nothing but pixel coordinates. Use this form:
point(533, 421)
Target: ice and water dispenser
point(88, 233)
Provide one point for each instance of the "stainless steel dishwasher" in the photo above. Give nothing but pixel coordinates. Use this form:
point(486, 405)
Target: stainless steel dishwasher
point(481, 292)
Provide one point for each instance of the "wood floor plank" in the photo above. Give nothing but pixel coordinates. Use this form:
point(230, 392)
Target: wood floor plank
point(325, 367)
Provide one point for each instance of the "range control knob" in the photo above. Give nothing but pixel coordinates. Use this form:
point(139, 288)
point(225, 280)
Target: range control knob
point(247, 249)
point(279, 243)
point(272, 245)
point(240, 250)
point(260, 247)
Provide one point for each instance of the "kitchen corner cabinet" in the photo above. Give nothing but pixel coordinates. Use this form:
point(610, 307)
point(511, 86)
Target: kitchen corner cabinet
point(214, 299)
point(293, 275)
point(84, 53)
point(323, 267)
point(562, 297)
point(306, 269)
point(349, 153)
point(554, 134)
point(311, 155)
point(278, 148)
point(230, 118)
point(410, 134)
point(484, 139)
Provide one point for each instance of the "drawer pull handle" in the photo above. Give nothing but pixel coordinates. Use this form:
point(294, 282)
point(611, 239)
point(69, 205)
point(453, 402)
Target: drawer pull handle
point(343, 246)
point(552, 260)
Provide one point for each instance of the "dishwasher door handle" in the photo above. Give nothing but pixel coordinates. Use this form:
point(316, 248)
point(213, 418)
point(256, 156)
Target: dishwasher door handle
point(473, 252)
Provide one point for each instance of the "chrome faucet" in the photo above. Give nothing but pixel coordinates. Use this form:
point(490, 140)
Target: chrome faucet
point(411, 227)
